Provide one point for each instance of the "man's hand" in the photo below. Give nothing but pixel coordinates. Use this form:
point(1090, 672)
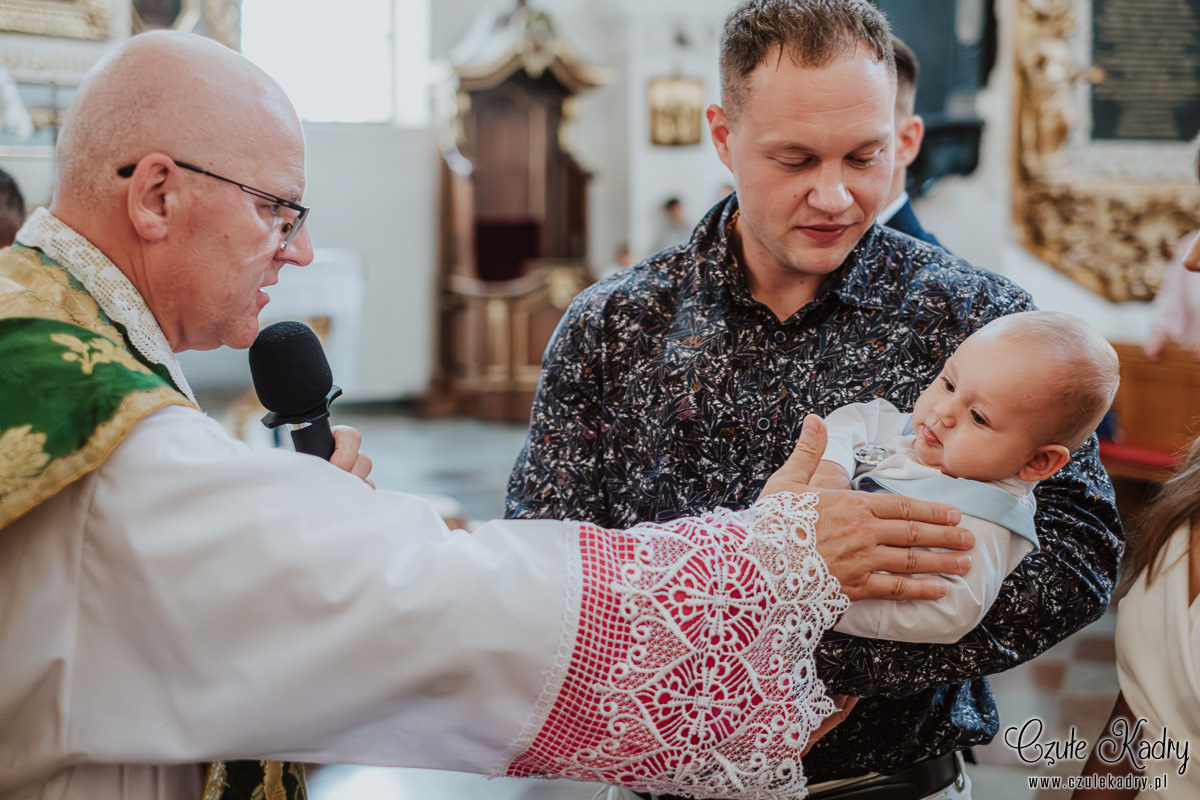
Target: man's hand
point(862, 535)
point(345, 456)
point(830, 476)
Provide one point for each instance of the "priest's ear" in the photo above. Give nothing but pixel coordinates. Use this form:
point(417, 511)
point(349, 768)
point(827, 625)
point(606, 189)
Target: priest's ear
point(151, 196)
point(1047, 460)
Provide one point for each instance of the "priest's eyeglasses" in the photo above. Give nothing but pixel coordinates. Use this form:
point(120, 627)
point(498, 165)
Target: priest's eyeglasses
point(292, 214)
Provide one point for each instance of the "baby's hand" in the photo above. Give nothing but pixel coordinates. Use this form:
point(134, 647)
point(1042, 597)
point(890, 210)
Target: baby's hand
point(830, 475)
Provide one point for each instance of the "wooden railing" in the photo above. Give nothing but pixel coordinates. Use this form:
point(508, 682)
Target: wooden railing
point(1157, 412)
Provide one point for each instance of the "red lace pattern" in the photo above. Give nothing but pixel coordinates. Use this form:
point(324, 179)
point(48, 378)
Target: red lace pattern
point(691, 669)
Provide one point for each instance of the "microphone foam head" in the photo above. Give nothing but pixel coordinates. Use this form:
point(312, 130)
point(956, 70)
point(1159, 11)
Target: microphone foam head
point(291, 374)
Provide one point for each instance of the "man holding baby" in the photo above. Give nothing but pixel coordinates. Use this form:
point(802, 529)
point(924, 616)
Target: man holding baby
point(681, 383)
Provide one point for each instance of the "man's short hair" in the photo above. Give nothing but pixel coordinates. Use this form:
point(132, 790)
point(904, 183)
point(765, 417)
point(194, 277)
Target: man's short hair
point(811, 32)
point(908, 69)
point(12, 209)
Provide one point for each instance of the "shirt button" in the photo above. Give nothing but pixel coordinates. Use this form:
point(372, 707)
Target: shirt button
point(780, 337)
point(763, 424)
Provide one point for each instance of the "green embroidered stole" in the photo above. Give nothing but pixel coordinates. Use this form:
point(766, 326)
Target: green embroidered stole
point(71, 387)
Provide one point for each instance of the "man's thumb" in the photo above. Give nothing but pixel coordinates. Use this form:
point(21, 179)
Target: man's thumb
point(803, 461)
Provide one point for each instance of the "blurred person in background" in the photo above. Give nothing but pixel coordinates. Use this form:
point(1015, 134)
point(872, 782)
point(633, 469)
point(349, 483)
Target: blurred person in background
point(12, 209)
point(1177, 306)
point(675, 226)
point(898, 214)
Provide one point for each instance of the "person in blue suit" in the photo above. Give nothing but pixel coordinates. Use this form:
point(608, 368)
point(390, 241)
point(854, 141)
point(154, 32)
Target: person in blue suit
point(898, 214)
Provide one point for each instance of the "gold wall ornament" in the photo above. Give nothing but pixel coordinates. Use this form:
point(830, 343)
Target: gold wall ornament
point(1115, 239)
point(1109, 213)
point(676, 111)
point(70, 19)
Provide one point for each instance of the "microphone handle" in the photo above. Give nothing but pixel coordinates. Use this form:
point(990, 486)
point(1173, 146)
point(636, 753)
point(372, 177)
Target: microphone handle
point(315, 438)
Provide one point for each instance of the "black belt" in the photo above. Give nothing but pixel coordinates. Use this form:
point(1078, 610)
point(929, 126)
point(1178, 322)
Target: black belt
point(920, 780)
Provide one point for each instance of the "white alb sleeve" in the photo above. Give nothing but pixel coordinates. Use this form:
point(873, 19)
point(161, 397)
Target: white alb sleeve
point(201, 601)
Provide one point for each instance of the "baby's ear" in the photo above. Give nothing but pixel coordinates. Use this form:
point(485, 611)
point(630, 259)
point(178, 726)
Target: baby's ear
point(1048, 459)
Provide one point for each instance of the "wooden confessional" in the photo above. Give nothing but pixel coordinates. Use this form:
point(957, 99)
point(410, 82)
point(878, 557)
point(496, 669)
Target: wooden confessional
point(513, 215)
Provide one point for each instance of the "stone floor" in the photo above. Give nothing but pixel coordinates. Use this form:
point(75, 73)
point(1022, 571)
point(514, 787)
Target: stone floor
point(1073, 685)
point(1069, 690)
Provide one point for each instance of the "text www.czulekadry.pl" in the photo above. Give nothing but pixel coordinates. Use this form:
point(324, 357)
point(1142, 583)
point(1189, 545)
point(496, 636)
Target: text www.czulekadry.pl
point(1139, 783)
point(1123, 742)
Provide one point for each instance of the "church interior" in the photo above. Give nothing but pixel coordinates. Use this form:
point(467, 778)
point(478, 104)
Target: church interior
point(472, 165)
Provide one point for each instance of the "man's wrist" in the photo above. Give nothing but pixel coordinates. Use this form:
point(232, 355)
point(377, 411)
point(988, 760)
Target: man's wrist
point(830, 475)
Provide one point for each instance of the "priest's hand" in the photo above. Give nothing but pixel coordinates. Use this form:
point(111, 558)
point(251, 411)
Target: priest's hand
point(830, 476)
point(845, 704)
point(346, 442)
point(863, 535)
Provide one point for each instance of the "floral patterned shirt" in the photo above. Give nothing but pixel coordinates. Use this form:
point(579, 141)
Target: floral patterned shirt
point(668, 390)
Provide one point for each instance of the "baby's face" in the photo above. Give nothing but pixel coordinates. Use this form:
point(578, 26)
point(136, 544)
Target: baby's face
point(981, 417)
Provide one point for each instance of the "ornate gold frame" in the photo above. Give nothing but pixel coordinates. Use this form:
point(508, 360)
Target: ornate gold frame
point(1107, 214)
point(72, 19)
point(676, 111)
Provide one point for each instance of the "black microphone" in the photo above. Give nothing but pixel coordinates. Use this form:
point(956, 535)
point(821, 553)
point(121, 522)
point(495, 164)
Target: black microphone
point(292, 379)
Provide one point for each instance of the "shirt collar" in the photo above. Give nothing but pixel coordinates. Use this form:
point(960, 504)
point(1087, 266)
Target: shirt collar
point(711, 250)
point(865, 278)
point(891, 208)
point(108, 286)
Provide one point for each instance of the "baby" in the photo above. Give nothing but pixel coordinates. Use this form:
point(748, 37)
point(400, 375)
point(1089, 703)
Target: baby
point(1008, 409)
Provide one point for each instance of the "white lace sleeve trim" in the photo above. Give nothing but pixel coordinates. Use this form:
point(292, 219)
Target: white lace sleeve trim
point(691, 665)
point(107, 285)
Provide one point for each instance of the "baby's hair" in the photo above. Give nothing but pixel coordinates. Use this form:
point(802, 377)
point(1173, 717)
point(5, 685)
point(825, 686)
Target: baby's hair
point(1088, 369)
